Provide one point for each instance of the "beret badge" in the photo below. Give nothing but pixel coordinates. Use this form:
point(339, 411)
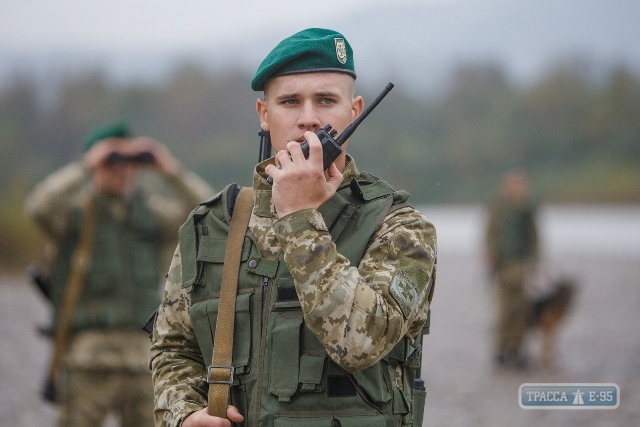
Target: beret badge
point(341, 50)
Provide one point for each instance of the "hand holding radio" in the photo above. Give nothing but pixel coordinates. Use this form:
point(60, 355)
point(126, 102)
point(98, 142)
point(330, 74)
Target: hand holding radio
point(306, 186)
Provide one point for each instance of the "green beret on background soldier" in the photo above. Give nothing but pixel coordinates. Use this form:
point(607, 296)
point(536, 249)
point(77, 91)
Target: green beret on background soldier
point(335, 281)
point(109, 224)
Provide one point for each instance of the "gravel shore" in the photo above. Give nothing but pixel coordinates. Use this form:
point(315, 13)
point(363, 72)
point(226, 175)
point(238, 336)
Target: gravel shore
point(598, 342)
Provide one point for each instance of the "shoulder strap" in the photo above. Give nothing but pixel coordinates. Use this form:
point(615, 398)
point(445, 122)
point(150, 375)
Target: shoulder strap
point(79, 263)
point(220, 373)
point(232, 192)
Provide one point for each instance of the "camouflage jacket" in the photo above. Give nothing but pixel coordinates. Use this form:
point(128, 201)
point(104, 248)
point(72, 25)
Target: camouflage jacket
point(52, 203)
point(359, 314)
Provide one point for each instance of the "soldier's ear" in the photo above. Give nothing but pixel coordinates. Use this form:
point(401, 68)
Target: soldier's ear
point(261, 109)
point(357, 105)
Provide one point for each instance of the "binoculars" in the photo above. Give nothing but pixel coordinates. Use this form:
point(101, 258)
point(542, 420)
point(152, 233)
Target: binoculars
point(142, 158)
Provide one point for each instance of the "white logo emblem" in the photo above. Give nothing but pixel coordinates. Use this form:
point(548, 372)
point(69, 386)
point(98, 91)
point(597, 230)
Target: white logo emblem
point(577, 400)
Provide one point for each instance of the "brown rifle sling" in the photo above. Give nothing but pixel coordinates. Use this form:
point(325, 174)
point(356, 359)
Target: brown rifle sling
point(79, 263)
point(220, 373)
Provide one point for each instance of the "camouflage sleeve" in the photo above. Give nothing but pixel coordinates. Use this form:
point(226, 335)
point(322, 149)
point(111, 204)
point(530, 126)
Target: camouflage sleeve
point(359, 314)
point(51, 200)
point(176, 363)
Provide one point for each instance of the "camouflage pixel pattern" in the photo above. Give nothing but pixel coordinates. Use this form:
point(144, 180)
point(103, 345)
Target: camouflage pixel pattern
point(50, 205)
point(355, 312)
point(177, 366)
point(89, 405)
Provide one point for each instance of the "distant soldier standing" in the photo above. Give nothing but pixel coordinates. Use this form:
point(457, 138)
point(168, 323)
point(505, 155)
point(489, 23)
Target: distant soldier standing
point(110, 233)
point(512, 252)
point(334, 280)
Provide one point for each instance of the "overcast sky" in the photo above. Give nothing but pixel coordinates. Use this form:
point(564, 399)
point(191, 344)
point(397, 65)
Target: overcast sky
point(37, 26)
point(418, 41)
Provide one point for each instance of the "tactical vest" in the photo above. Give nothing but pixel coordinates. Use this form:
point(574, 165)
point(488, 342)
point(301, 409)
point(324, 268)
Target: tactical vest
point(517, 233)
point(122, 279)
point(283, 375)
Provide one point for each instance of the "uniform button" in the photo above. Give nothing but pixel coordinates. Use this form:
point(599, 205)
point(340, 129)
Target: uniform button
point(253, 263)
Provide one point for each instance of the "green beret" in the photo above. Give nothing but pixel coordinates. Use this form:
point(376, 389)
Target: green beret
point(109, 130)
point(311, 50)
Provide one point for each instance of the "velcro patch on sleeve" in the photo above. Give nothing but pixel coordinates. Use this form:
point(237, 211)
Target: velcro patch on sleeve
point(407, 290)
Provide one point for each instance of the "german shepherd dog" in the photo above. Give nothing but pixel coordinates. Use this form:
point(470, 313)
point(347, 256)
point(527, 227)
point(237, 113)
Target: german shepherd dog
point(546, 315)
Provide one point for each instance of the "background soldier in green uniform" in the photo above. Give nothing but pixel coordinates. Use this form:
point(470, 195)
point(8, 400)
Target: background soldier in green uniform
point(336, 276)
point(512, 252)
point(106, 355)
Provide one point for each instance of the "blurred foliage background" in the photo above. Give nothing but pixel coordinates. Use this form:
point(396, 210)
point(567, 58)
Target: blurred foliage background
point(578, 136)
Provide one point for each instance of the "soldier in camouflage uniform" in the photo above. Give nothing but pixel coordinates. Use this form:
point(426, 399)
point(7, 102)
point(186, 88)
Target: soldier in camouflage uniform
point(336, 276)
point(512, 251)
point(105, 366)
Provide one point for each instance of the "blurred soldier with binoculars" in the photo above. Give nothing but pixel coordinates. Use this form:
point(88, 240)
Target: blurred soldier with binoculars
point(110, 221)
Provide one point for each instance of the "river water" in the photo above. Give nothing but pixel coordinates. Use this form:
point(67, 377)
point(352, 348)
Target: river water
point(565, 231)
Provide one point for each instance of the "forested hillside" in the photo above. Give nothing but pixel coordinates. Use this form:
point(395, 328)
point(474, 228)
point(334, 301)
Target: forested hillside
point(579, 137)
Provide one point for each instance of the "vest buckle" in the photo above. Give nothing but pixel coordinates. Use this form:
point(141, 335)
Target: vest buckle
point(212, 381)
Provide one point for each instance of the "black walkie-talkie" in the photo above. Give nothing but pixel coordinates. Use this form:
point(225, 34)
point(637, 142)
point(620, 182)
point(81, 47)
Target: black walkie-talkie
point(332, 146)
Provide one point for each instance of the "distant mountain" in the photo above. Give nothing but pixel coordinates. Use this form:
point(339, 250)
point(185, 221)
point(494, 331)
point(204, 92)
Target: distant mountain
point(416, 44)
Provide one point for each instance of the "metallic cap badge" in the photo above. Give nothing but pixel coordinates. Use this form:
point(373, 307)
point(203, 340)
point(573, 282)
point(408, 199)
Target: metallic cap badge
point(341, 50)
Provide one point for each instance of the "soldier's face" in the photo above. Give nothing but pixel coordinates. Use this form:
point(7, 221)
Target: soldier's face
point(114, 179)
point(515, 187)
point(298, 103)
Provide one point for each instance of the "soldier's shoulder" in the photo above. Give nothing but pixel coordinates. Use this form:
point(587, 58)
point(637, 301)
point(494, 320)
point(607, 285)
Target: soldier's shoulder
point(211, 200)
point(206, 205)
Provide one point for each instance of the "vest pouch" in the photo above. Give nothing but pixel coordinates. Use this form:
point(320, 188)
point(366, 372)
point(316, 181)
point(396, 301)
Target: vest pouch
point(362, 421)
point(374, 390)
point(285, 360)
point(212, 249)
point(204, 315)
point(419, 399)
point(311, 370)
point(208, 263)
